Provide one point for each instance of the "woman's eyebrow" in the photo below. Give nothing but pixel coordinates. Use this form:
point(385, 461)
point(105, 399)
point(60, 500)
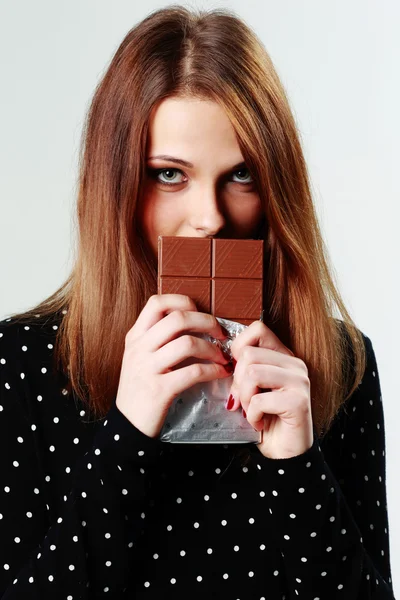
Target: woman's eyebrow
point(187, 164)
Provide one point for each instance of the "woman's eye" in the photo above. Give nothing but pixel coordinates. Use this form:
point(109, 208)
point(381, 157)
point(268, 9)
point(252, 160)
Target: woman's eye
point(155, 173)
point(244, 171)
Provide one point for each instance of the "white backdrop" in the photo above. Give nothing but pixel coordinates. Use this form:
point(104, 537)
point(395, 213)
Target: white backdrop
point(339, 64)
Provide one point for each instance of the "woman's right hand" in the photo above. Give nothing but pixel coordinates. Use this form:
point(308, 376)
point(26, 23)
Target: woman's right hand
point(153, 346)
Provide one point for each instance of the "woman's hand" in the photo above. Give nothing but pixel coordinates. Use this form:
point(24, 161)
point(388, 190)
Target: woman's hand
point(283, 412)
point(157, 364)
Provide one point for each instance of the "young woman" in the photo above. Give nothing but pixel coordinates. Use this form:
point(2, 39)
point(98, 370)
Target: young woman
point(190, 134)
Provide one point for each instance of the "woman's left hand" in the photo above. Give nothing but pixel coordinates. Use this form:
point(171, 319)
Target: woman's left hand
point(284, 413)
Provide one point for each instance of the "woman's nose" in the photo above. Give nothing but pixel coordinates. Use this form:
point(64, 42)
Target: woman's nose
point(206, 214)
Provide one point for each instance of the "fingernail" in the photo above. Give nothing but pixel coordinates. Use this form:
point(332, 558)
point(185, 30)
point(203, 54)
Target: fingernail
point(229, 402)
point(229, 368)
point(244, 412)
point(225, 331)
point(234, 361)
point(226, 354)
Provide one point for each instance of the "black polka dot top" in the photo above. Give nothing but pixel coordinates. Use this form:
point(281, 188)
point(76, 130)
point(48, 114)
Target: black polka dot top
point(96, 509)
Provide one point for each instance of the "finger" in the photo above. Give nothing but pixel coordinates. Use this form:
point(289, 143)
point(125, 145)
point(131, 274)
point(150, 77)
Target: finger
point(258, 334)
point(184, 347)
point(280, 402)
point(259, 377)
point(157, 307)
point(178, 322)
point(255, 355)
point(181, 379)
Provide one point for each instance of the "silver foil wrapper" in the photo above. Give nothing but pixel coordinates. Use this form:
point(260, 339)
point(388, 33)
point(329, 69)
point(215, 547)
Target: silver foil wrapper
point(198, 415)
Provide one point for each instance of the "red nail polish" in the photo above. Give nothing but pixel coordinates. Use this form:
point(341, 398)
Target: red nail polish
point(225, 331)
point(234, 363)
point(226, 354)
point(230, 402)
point(229, 368)
point(244, 412)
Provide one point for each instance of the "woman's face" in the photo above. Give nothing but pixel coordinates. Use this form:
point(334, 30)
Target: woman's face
point(197, 186)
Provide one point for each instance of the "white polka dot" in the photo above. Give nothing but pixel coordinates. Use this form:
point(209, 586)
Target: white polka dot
point(173, 580)
point(251, 573)
point(75, 538)
point(182, 553)
point(97, 452)
point(108, 563)
point(199, 578)
point(15, 463)
point(17, 540)
point(52, 448)
point(29, 515)
point(225, 575)
point(44, 370)
point(20, 439)
point(76, 440)
point(262, 547)
point(146, 584)
point(56, 419)
point(33, 427)
point(116, 437)
point(196, 525)
point(52, 547)
point(51, 578)
point(224, 522)
point(210, 550)
point(236, 548)
point(234, 495)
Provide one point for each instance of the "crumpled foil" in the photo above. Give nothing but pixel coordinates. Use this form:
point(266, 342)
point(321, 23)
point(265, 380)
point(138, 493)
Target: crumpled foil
point(198, 415)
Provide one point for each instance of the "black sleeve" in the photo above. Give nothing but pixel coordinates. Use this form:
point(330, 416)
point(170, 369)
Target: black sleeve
point(334, 537)
point(88, 549)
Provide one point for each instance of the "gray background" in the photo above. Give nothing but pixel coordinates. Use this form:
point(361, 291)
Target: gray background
point(339, 64)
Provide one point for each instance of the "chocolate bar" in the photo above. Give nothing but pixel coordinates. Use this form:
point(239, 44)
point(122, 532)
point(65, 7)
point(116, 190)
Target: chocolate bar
point(224, 277)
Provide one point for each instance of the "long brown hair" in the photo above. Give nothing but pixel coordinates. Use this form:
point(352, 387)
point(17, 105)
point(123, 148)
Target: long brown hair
point(209, 55)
